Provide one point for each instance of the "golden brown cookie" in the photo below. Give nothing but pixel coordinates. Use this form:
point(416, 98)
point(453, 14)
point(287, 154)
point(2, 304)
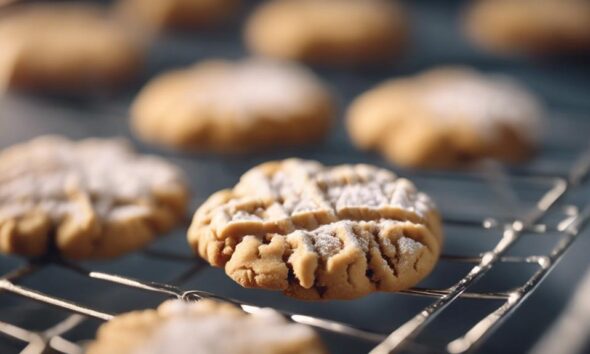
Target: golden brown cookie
point(65, 47)
point(319, 232)
point(87, 199)
point(530, 26)
point(6, 2)
point(228, 106)
point(204, 327)
point(349, 32)
point(176, 14)
point(447, 117)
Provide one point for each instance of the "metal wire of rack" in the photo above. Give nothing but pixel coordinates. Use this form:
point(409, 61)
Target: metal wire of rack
point(402, 339)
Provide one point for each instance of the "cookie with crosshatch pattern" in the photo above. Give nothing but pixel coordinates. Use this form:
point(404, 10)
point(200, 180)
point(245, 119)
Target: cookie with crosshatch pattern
point(92, 198)
point(206, 326)
point(318, 232)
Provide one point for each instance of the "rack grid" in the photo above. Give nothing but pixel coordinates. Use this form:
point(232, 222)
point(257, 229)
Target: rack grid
point(401, 339)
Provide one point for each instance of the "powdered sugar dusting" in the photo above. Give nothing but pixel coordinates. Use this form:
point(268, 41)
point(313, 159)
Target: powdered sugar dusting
point(407, 245)
point(486, 101)
point(55, 175)
point(244, 216)
point(369, 195)
point(256, 86)
point(208, 330)
point(330, 239)
point(301, 187)
point(325, 241)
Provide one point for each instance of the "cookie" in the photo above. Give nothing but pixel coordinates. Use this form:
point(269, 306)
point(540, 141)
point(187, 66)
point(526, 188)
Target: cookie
point(92, 198)
point(6, 2)
point(341, 32)
point(206, 327)
point(225, 106)
point(319, 232)
point(65, 48)
point(447, 117)
point(162, 15)
point(530, 26)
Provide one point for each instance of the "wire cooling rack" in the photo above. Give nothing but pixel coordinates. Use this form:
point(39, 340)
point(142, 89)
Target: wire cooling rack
point(548, 216)
point(564, 229)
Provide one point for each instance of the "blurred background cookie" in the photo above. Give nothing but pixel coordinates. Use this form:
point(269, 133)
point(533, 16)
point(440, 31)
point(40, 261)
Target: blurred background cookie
point(227, 106)
point(6, 2)
point(328, 32)
point(317, 232)
point(161, 15)
point(530, 26)
point(86, 199)
point(447, 117)
point(65, 48)
point(206, 327)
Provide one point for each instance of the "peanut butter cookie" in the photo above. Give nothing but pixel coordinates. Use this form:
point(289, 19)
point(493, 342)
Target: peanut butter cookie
point(176, 14)
point(530, 26)
point(225, 106)
point(88, 199)
point(447, 117)
point(206, 327)
point(65, 48)
point(318, 232)
point(341, 32)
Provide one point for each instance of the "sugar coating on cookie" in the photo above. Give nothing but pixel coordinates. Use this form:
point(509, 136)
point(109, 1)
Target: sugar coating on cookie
point(207, 327)
point(345, 32)
point(92, 198)
point(319, 232)
point(233, 107)
point(488, 102)
point(176, 14)
point(446, 117)
point(257, 87)
point(65, 47)
point(530, 26)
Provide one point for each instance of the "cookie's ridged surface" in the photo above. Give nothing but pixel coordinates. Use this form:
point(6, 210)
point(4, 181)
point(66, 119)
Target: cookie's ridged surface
point(207, 327)
point(93, 198)
point(318, 232)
